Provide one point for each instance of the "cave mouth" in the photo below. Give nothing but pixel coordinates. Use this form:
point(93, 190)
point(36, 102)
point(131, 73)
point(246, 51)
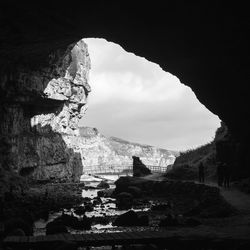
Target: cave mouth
point(134, 99)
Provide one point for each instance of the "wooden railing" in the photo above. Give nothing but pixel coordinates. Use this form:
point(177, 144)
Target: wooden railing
point(103, 169)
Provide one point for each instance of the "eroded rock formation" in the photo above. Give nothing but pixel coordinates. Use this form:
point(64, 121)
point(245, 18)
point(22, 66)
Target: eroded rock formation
point(205, 44)
point(101, 153)
point(39, 107)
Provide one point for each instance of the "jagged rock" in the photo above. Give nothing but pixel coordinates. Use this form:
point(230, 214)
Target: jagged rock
point(169, 221)
point(124, 201)
point(131, 218)
point(48, 105)
point(17, 232)
point(139, 169)
point(14, 224)
point(192, 222)
point(135, 191)
point(80, 210)
point(55, 228)
point(161, 207)
point(103, 184)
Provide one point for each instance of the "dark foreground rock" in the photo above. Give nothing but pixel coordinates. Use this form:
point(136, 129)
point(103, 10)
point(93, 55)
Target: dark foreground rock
point(189, 198)
point(131, 218)
point(172, 220)
point(124, 201)
point(103, 184)
point(60, 224)
point(24, 209)
point(18, 227)
point(139, 169)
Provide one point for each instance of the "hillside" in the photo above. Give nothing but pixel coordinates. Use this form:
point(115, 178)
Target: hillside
point(98, 150)
point(186, 164)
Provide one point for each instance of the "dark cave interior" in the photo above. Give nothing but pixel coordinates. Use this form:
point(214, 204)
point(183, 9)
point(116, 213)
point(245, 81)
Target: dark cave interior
point(206, 44)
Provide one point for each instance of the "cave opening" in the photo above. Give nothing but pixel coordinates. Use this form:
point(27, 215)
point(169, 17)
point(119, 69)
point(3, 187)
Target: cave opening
point(205, 45)
point(134, 99)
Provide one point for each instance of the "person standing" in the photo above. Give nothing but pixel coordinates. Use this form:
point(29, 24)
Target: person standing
point(201, 173)
point(220, 173)
point(227, 176)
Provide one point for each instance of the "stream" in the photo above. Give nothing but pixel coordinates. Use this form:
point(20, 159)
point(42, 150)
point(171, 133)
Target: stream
point(106, 209)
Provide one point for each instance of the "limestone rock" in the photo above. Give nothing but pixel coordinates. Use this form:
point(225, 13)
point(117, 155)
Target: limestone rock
point(42, 107)
point(99, 152)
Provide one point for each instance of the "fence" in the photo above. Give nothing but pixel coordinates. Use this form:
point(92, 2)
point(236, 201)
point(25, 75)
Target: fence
point(118, 169)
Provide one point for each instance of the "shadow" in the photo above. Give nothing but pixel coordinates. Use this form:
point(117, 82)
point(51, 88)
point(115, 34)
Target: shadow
point(33, 104)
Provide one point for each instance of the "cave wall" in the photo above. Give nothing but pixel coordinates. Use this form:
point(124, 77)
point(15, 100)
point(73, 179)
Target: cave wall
point(38, 108)
point(205, 44)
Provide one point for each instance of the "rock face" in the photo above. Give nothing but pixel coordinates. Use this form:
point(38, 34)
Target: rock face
point(207, 47)
point(113, 154)
point(139, 169)
point(41, 107)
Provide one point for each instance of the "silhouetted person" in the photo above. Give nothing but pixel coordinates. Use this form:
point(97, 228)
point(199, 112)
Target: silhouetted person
point(220, 173)
point(201, 173)
point(227, 176)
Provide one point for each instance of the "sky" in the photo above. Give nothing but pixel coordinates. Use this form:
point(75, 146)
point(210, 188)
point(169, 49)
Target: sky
point(134, 99)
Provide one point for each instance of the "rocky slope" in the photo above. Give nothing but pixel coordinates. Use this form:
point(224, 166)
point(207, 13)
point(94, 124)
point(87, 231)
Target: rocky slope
point(222, 149)
point(110, 153)
point(38, 107)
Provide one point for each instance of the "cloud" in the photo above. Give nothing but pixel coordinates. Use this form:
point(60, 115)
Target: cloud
point(136, 100)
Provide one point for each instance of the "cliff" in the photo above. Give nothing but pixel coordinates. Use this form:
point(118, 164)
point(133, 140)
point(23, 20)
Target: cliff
point(38, 107)
point(111, 153)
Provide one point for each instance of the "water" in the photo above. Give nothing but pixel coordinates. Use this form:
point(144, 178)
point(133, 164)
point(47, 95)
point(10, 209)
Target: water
point(106, 209)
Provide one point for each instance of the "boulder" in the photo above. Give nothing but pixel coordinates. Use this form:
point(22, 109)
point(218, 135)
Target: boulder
point(55, 227)
point(143, 220)
point(18, 223)
point(135, 191)
point(124, 201)
point(103, 185)
point(139, 169)
point(131, 218)
point(192, 222)
point(161, 207)
point(85, 223)
point(169, 221)
point(17, 232)
point(80, 210)
point(66, 245)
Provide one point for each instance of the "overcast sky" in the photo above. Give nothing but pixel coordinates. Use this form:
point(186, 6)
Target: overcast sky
point(136, 100)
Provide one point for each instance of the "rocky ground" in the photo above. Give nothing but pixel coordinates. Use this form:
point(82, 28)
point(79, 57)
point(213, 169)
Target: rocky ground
point(147, 203)
point(21, 208)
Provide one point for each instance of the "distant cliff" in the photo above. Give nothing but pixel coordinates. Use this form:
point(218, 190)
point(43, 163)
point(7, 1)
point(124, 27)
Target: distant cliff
point(99, 151)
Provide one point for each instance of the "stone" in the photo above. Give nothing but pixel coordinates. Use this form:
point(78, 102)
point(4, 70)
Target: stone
point(17, 232)
point(192, 222)
point(169, 221)
point(55, 228)
point(124, 201)
point(103, 185)
point(52, 103)
point(135, 191)
point(139, 169)
point(14, 224)
point(80, 210)
point(161, 207)
point(131, 218)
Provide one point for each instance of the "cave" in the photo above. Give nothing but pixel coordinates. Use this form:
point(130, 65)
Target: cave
point(205, 44)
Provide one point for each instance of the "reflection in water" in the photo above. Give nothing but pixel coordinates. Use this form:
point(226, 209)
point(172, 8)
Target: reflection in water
point(107, 208)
